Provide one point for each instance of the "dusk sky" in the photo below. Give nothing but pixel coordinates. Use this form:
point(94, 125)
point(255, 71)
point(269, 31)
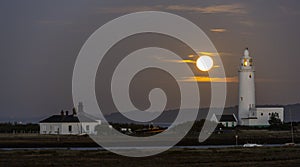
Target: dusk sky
point(40, 41)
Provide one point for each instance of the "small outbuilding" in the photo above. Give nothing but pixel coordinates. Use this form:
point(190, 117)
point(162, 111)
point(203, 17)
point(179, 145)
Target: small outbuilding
point(226, 120)
point(263, 115)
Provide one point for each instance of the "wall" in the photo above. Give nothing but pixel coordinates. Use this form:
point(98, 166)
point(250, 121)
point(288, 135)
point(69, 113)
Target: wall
point(50, 128)
point(263, 115)
point(63, 128)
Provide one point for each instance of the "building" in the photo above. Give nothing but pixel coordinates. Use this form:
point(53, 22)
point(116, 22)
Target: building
point(248, 113)
point(69, 124)
point(225, 120)
point(264, 113)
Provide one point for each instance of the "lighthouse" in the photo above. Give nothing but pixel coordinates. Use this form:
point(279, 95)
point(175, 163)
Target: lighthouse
point(249, 114)
point(247, 110)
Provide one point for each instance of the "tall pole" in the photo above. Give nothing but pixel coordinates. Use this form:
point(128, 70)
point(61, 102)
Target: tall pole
point(292, 130)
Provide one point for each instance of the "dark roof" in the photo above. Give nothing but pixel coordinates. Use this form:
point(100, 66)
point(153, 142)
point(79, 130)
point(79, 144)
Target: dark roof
point(67, 118)
point(226, 118)
point(269, 106)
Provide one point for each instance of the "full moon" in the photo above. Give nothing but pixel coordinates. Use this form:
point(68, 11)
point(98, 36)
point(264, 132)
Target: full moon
point(204, 63)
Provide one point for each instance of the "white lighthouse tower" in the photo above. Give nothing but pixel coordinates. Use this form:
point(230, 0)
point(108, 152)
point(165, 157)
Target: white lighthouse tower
point(247, 113)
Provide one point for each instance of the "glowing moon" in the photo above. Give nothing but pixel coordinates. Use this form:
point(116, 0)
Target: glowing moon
point(204, 63)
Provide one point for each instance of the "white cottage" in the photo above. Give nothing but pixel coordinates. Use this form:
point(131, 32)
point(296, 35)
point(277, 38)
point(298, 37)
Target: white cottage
point(69, 124)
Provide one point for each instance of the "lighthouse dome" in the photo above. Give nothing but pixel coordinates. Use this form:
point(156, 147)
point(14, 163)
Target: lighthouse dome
point(246, 53)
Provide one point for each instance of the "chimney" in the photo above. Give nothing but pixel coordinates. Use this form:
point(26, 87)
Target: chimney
point(74, 111)
point(67, 113)
point(80, 107)
point(62, 113)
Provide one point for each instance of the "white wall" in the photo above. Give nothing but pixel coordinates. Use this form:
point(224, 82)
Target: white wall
point(89, 128)
point(50, 128)
point(76, 128)
point(263, 116)
point(63, 128)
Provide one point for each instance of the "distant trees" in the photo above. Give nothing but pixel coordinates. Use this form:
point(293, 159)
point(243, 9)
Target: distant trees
point(274, 119)
point(19, 128)
point(276, 123)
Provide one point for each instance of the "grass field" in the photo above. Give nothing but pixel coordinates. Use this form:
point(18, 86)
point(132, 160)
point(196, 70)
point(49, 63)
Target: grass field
point(264, 156)
point(251, 136)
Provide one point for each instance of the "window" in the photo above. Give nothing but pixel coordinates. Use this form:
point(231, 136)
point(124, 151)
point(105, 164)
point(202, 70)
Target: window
point(56, 129)
point(70, 128)
point(245, 62)
point(87, 128)
point(250, 62)
point(241, 98)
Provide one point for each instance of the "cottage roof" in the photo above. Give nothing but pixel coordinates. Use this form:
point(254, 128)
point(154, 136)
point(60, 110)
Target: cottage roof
point(226, 118)
point(67, 118)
